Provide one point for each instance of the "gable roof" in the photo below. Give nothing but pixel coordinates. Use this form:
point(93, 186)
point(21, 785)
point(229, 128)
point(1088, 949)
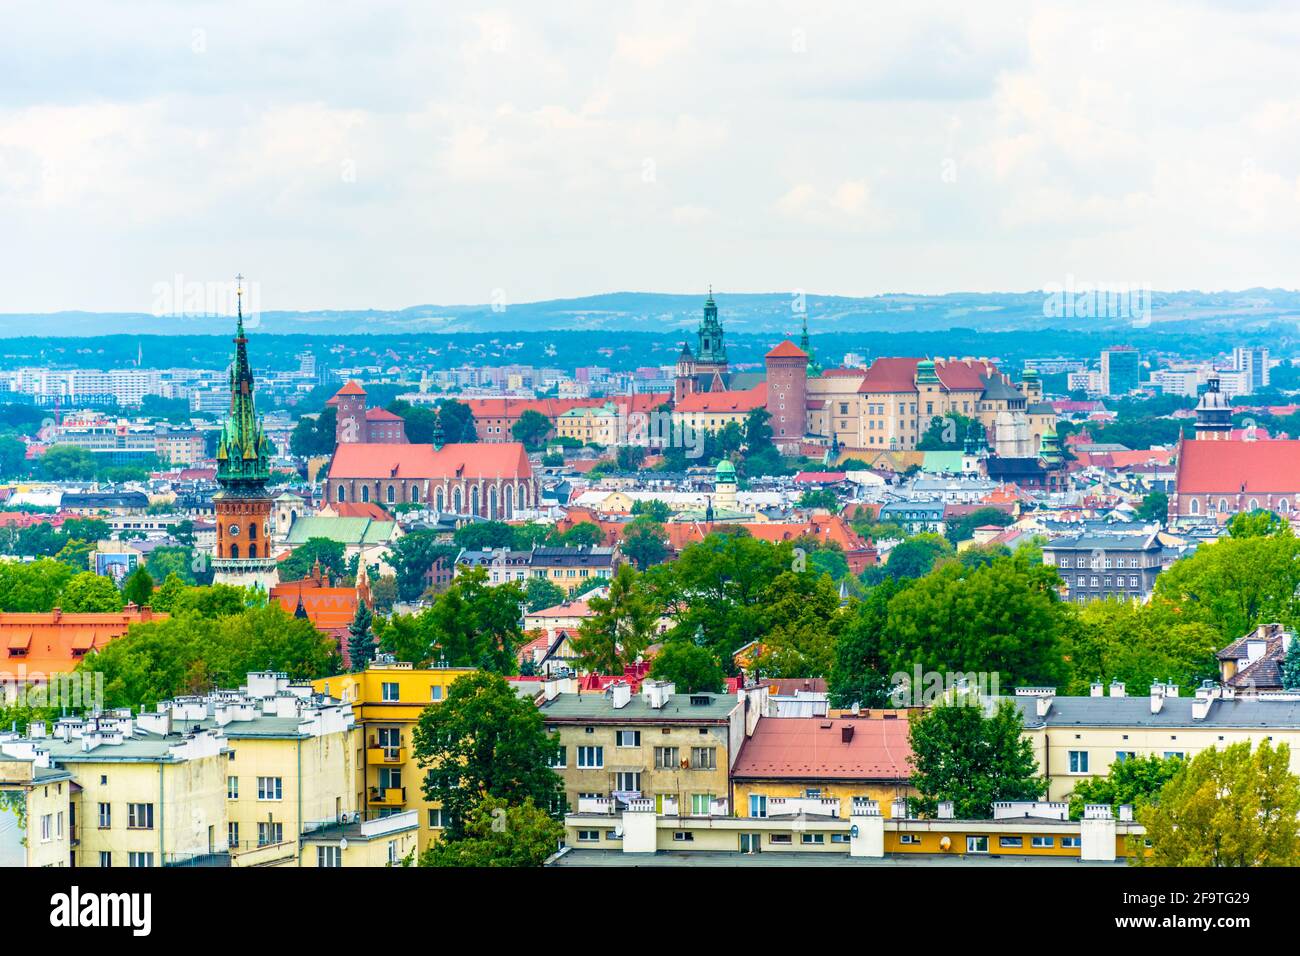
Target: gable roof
point(417, 462)
point(813, 748)
point(787, 349)
point(724, 402)
point(1233, 467)
point(54, 642)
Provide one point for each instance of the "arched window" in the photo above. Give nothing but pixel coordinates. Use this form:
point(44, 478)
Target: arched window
point(392, 495)
point(415, 494)
point(1283, 506)
point(508, 500)
point(252, 532)
point(365, 493)
point(492, 503)
point(456, 500)
point(1253, 504)
point(234, 550)
point(473, 500)
point(1194, 507)
point(438, 500)
point(342, 494)
point(1223, 505)
point(252, 550)
point(523, 498)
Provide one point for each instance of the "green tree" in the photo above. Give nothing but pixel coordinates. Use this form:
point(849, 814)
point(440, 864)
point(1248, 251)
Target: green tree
point(1229, 807)
point(485, 741)
point(1255, 524)
point(13, 457)
point(88, 591)
point(621, 625)
point(531, 428)
point(303, 558)
point(962, 528)
point(137, 589)
point(917, 556)
point(804, 621)
point(959, 754)
point(1134, 781)
point(1139, 644)
point(33, 586)
point(630, 457)
point(820, 498)
point(653, 508)
point(458, 426)
point(315, 436)
point(412, 555)
point(541, 593)
point(1154, 507)
point(168, 560)
point(645, 542)
point(483, 535)
point(584, 534)
point(361, 642)
point(1291, 667)
point(497, 834)
point(947, 433)
point(68, 463)
point(691, 668)
point(862, 674)
point(475, 624)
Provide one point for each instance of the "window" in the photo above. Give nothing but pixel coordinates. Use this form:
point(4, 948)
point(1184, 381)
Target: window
point(270, 788)
point(700, 804)
point(561, 758)
point(704, 758)
point(1043, 842)
point(909, 839)
point(588, 836)
point(840, 838)
point(269, 833)
point(141, 859)
point(1011, 842)
point(683, 836)
point(1174, 753)
point(435, 818)
point(628, 738)
point(628, 781)
point(390, 691)
point(329, 856)
point(47, 821)
point(779, 839)
point(232, 836)
point(105, 816)
point(139, 816)
point(1122, 755)
point(665, 758)
point(1072, 842)
point(592, 758)
point(812, 839)
point(105, 858)
point(232, 788)
point(1078, 761)
point(757, 805)
point(977, 844)
point(435, 692)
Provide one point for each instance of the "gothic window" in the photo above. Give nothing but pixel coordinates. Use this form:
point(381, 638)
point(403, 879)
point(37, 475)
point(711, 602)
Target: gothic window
point(234, 550)
point(342, 494)
point(365, 493)
point(252, 550)
point(415, 494)
point(392, 495)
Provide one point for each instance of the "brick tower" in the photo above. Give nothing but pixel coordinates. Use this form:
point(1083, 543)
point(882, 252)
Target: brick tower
point(787, 394)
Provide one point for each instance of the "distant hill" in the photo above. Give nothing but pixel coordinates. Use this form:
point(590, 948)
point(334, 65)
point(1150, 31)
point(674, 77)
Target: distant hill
point(753, 313)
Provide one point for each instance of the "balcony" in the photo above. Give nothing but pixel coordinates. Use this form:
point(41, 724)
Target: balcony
point(385, 756)
point(387, 796)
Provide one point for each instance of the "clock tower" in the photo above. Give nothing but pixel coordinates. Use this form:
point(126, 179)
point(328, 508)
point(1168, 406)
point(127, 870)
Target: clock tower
point(243, 505)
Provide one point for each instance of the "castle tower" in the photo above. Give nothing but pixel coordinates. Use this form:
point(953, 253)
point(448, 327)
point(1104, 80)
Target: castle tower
point(684, 380)
point(349, 403)
point(787, 394)
point(243, 506)
point(1213, 414)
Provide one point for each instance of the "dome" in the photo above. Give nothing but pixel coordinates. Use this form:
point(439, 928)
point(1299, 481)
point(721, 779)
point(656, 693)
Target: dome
point(725, 471)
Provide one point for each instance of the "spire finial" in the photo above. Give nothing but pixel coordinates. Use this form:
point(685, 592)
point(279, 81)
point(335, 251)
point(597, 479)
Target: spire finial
point(239, 294)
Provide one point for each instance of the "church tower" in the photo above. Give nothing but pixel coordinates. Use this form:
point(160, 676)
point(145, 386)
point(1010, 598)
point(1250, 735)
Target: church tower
point(243, 505)
point(1213, 414)
point(711, 352)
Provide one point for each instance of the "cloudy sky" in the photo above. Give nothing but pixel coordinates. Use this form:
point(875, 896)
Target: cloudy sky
point(388, 154)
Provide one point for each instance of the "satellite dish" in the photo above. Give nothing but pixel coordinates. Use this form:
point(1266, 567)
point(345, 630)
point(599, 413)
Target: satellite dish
point(853, 830)
point(343, 844)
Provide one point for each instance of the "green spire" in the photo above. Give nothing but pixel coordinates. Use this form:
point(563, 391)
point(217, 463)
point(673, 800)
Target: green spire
point(243, 451)
point(711, 350)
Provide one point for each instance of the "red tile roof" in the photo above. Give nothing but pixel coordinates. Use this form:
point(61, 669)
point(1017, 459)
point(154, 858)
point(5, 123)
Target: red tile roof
point(813, 748)
point(787, 349)
point(381, 415)
point(899, 374)
point(360, 509)
point(55, 642)
point(1259, 467)
point(725, 402)
point(471, 460)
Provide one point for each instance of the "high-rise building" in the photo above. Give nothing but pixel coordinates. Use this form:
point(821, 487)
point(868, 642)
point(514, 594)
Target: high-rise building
point(1253, 362)
point(1120, 371)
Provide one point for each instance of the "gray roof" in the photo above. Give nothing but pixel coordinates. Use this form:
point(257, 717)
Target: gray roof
point(1104, 542)
point(1175, 714)
point(598, 706)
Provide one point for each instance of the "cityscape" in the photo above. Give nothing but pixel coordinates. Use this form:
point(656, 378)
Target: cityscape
point(879, 568)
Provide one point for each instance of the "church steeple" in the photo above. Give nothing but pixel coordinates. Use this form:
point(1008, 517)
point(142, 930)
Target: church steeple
point(711, 352)
point(243, 452)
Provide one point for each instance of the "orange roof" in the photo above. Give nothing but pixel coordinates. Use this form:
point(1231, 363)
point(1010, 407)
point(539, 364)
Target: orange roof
point(54, 642)
point(351, 388)
point(1233, 467)
point(724, 402)
point(326, 608)
point(360, 509)
point(826, 527)
point(804, 748)
point(787, 349)
point(472, 460)
point(899, 374)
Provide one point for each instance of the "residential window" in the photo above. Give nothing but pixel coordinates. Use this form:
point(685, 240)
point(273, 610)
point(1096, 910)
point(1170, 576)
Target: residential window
point(329, 856)
point(270, 833)
point(779, 839)
point(840, 838)
point(627, 781)
point(628, 738)
point(105, 858)
point(232, 836)
point(592, 758)
point(700, 804)
point(561, 758)
point(1078, 761)
point(232, 788)
point(141, 859)
point(812, 839)
point(909, 839)
point(435, 692)
point(977, 844)
point(1122, 755)
point(665, 758)
point(1072, 842)
point(1043, 842)
point(588, 836)
point(270, 788)
point(1174, 753)
point(757, 805)
point(47, 820)
point(139, 816)
point(704, 758)
point(435, 818)
point(105, 816)
point(683, 836)
point(1011, 842)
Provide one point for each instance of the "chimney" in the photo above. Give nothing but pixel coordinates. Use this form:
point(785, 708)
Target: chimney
point(846, 734)
point(1043, 704)
point(657, 693)
point(621, 694)
point(1096, 689)
point(551, 688)
point(1117, 688)
point(36, 730)
point(1171, 690)
point(1157, 697)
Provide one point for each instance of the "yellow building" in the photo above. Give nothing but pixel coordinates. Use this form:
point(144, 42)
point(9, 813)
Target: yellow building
point(388, 698)
point(383, 841)
point(590, 425)
point(37, 820)
point(819, 765)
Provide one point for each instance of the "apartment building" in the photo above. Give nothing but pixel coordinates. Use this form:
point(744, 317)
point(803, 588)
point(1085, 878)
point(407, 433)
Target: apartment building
point(37, 822)
point(1101, 566)
point(672, 750)
point(387, 699)
point(569, 568)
